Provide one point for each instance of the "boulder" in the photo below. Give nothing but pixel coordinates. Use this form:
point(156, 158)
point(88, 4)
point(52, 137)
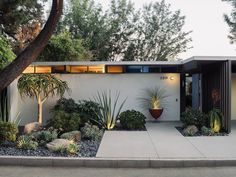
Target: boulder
point(191, 130)
point(75, 135)
point(58, 144)
point(32, 127)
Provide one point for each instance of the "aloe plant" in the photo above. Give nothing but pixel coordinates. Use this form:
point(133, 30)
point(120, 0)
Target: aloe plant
point(109, 109)
point(41, 86)
point(215, 120)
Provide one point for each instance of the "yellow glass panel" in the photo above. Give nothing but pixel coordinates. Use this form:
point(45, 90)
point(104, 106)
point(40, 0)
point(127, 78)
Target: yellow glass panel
point(78, 69)
point(115, 69)
point(43, 69)
point(29, 69)
point(67, 68)
point(96, 69)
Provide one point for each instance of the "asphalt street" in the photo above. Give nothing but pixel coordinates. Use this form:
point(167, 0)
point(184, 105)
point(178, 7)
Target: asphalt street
point(121, 172)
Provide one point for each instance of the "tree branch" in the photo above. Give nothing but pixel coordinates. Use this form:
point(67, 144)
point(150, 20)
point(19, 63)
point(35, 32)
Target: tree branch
point(25, 58)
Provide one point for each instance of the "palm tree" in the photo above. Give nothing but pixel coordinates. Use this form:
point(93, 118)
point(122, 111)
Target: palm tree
point(41, 86)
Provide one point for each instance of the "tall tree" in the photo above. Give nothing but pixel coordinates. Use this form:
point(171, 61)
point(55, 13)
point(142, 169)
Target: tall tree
point(122, 21)
point(21, 21)
point(63, 47)
point(231, 21)
point(86, 21)
point(6, 53)
point(160, 34)
point(32, 51)
point(122, 33)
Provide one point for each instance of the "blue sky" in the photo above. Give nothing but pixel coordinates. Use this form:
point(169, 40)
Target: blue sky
point(205, 19)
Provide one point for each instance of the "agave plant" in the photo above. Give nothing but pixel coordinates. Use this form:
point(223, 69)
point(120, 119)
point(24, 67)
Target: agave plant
point(109, 109)
point(153, 98)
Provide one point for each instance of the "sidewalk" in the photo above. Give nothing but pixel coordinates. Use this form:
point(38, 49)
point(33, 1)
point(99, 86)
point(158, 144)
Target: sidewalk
point(163, 141)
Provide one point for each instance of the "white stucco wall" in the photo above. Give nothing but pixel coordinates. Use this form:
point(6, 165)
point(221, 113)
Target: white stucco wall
point(85, 86)
point(233, 97)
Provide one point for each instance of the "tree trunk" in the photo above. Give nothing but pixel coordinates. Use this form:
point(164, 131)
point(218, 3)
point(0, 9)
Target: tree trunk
point(25, 58)
point(40, 111)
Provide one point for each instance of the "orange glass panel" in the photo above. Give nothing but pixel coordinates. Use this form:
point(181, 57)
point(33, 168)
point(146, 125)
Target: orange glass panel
point(43, 69)
point(96, 69)
point(115, 69)
point(78, 69)
point(29, 69)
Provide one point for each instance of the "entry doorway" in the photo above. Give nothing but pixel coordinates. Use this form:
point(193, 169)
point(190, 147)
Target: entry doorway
point(191, 91)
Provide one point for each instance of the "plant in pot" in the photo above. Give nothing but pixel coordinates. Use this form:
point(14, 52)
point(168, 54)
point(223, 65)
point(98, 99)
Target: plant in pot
point(154, 100)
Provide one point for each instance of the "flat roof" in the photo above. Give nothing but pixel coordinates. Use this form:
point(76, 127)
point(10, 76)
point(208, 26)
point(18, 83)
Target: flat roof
point(108, 63)
point(209, 58)
point(179, 62)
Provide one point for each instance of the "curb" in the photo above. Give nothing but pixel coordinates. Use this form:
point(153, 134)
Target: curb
point(112, 163)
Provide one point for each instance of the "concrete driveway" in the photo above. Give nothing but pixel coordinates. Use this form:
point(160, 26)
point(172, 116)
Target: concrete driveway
point(163, 141)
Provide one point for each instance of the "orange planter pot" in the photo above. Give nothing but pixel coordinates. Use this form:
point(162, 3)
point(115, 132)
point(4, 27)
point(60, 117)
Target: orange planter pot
point(156, 113)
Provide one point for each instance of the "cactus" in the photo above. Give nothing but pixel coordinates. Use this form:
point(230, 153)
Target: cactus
point(215, 120)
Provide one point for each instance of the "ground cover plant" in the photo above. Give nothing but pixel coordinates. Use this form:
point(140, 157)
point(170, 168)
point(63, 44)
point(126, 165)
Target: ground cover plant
point(197, 123)
point(64, 134)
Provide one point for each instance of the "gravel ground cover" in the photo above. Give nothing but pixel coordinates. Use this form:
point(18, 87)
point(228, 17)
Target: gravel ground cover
point(88, 148)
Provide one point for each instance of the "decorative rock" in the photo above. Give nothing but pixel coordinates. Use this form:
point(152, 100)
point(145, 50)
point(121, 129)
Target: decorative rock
point(75, 135)
point(191, 130)
point(88, 149)
point(32, 127)
point(56, 144)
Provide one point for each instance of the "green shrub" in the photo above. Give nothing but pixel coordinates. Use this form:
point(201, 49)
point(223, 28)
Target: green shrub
point(45, 136)
point(88, 111)
point(67, 105)
point(27, 142)
point(91, 132)
point(194, 117)
point(65, 122)
point(132, 120)
point(8, 131)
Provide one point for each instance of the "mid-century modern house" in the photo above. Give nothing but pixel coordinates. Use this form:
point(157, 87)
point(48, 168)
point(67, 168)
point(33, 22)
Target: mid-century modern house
point(188, 82)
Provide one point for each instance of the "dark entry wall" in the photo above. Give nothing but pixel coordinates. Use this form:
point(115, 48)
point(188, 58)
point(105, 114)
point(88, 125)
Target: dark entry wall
point(216, 83)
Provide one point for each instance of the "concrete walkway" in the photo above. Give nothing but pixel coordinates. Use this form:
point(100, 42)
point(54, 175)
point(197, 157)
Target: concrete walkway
point(163, 141)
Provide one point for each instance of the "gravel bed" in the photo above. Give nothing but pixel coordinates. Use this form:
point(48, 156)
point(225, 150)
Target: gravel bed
point(88, 148)
point(199, 133)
